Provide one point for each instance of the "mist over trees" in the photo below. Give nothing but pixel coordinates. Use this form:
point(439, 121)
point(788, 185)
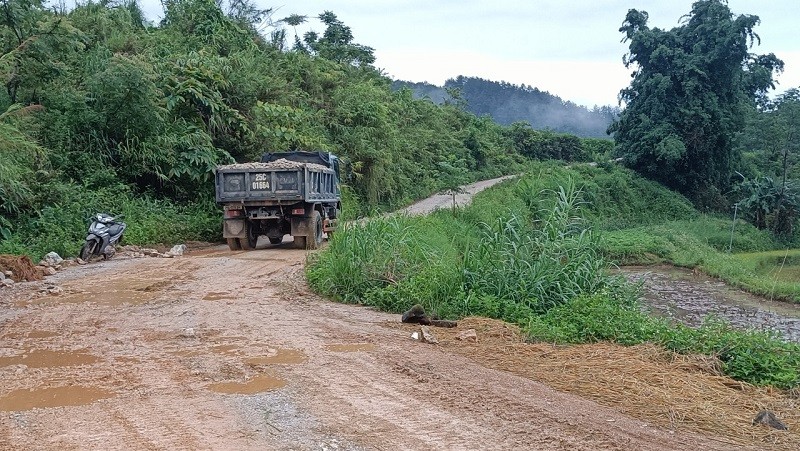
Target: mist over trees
point(507, 103)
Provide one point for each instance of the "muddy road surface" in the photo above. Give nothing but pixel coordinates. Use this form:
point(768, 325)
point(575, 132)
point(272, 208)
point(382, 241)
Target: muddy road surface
point(230, 350)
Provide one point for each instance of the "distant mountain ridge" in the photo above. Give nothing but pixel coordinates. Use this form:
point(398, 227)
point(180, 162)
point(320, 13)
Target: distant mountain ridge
point(507, 103)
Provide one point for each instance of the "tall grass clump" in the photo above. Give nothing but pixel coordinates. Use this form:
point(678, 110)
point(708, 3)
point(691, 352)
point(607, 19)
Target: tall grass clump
point(541, 263)
point(536, 253)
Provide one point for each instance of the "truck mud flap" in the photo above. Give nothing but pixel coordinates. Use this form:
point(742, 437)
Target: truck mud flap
point(300, 226)
point(233, 228)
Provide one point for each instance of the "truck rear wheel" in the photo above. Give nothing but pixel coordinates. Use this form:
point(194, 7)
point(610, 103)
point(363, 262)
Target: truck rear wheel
point(251, 234)
point(233, 244)
point(300, 242)
point(314, 239)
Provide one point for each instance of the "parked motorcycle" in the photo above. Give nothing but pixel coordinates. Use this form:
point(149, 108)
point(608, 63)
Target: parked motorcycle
point(104, 232)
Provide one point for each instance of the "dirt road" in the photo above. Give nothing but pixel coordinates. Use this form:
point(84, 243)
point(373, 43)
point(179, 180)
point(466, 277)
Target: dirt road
point(229, 350)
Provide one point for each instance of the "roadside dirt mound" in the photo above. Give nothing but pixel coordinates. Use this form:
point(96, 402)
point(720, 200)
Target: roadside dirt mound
point(22, 267)
point(645, 381)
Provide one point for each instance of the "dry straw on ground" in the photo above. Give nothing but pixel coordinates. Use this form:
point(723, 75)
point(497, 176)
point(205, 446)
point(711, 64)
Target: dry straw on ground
point(644, 381)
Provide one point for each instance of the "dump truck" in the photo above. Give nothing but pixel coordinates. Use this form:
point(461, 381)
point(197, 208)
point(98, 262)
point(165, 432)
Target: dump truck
point(286, 193)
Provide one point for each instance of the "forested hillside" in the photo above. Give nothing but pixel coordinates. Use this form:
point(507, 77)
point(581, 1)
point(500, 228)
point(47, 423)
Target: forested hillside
point(507, 103)
point(103, 111)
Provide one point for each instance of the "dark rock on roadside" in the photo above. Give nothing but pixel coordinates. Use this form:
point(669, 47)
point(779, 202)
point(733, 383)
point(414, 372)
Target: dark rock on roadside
point(768, 418)
point(416, 315)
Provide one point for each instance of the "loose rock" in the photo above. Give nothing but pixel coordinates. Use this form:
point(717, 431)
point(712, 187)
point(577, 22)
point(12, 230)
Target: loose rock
point(188, 333)
point(53, 259)
point(768, 418)
point(427, 335)
point(80, 261)
point(50, 271)
point(2, 277)
point(177, 250)
point(467, 335)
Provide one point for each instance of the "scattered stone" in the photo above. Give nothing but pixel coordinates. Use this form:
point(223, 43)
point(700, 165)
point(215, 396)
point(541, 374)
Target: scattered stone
point(167, 255)
point(188, 333)
point(415, 336)
point(50, 271)
point(55, 291)
point(7, 282)
point(43, 263)
point(80, 261)
point(9, 274)
point(2, 277)
point(768, 418)
point(53, 259)
point(467, 335)
point(427, 335)
point(177, 250)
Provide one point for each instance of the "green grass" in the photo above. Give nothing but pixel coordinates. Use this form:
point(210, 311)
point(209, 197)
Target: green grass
point(523, 253)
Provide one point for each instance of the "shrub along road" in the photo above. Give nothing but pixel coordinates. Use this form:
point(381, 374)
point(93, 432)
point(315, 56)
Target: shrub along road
point(230, 350)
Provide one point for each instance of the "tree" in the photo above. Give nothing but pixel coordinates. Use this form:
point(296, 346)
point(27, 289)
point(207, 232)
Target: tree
point(690, 89)
point(336, 43)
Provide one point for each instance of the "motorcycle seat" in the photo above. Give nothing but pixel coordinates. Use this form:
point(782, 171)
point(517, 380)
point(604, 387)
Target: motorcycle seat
point(115, 229)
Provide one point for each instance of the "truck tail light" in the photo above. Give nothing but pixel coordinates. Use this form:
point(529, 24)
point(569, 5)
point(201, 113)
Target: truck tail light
point(234, 213)
point(298, 211)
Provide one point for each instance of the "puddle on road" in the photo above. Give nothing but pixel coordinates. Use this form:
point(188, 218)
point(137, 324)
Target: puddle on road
point(356, 347)
point(23, 399)
point(40, 358)
point(216, 296)
point(279, 356)
point(227, 349)
point(37, 334)
point(686, 297)
point(255, 385)
point(115, 293)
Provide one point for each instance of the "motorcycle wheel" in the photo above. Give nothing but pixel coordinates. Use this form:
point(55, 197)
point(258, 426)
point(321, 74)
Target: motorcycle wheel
point(88, 250)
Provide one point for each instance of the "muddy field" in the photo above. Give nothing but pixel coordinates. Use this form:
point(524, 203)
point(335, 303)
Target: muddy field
point(689, 297)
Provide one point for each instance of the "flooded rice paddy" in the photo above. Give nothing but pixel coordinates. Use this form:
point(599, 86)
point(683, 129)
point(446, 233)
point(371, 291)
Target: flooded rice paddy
point(688, 297)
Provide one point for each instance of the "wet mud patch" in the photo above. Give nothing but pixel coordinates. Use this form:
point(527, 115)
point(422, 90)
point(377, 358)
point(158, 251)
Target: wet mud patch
point(355, 347)
point(279, 357)
point(684, 296)
point(32, 334)
point(229, 349)
point(216, 296)
point(40, 358)
point(255, 385)
point(24, 399)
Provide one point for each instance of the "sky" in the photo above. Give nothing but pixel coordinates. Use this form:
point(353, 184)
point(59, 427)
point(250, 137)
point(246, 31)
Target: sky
point(571, 49)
